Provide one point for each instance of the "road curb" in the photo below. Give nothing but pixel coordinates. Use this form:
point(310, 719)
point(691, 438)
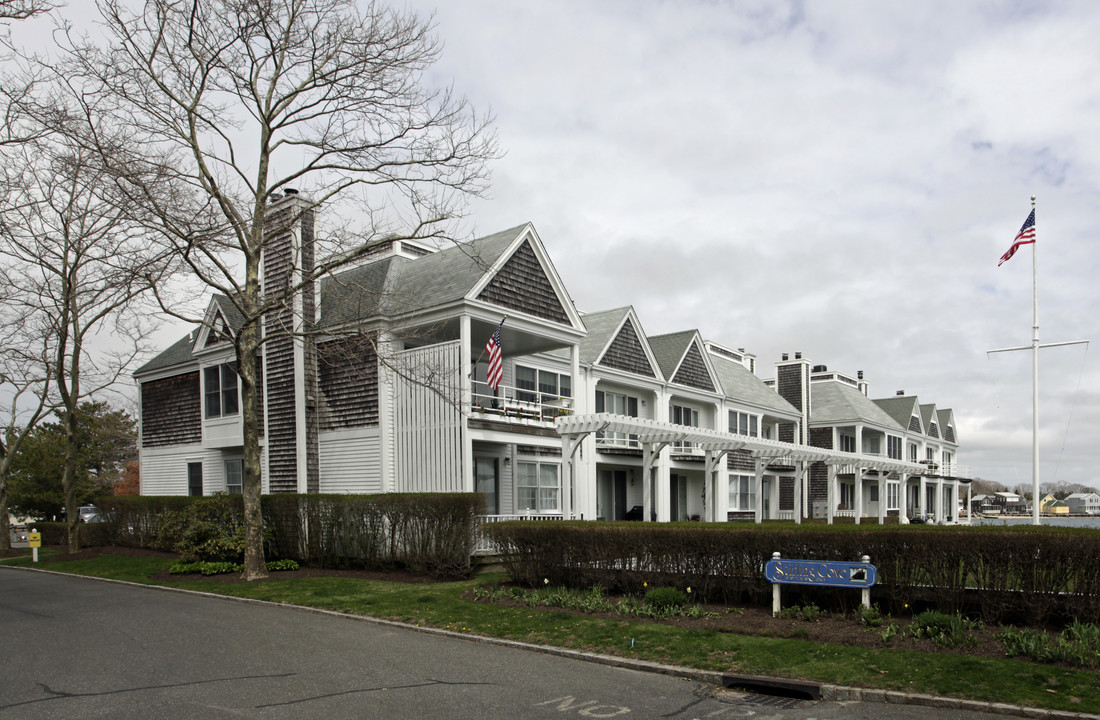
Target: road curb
point(767, 685)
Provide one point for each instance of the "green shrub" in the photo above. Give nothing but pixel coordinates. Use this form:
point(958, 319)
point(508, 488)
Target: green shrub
point(809, 613)
point(665, 598)
point(943, 629)
point(870, 617)
point(210, 529)
point(1078, 645)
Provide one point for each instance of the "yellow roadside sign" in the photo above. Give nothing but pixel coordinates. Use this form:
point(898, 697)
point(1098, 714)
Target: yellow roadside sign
point(34, 539)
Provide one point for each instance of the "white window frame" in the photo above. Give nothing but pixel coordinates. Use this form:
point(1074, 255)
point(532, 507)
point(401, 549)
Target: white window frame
point(535, 392)
point(226, 392)
point(746, 424)
point(893, 447)
point(742, 492)
point(847, 443)
point(677, 415)
point(892, 490)
point(538, 494)
point(617, 403)
point(234, 465)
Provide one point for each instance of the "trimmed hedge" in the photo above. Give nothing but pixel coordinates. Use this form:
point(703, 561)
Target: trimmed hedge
point(1032, 575)
point(423, 532)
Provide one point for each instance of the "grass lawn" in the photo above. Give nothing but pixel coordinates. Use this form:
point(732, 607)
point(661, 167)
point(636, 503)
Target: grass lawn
point(442, 605)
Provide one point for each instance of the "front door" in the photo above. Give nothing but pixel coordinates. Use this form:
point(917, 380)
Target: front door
point(487, 481)
point(677, 498)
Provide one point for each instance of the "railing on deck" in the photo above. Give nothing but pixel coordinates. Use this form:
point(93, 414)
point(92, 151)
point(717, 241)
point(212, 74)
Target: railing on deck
point(518, 405)
point(483, 546)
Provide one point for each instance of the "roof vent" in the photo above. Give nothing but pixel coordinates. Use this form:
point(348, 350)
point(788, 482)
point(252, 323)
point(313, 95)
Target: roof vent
point(798, 356)
point(784, 357)
point(820, 368)
point(859, 374)
point(901, 392)
point(290, 192)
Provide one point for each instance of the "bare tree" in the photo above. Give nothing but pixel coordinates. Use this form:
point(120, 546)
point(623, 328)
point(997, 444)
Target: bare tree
point(23, 9)
point(245, 99)
point(75, 265)
point(25, 375)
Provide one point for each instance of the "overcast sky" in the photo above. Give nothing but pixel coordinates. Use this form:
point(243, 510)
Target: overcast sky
point(836, 178)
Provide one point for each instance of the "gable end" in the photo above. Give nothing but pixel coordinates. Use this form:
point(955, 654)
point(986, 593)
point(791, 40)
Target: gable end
point(522, 285)
point(693, 371)
point(626, 353)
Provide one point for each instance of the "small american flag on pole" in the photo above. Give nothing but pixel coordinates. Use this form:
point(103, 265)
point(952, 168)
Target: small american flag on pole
point(496, 364)
point(1025, 236)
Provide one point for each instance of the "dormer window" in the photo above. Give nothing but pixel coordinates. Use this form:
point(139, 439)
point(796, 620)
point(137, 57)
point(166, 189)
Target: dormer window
point(220, 391)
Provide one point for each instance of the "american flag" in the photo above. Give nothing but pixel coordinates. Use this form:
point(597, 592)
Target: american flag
point(496, 366)
point(1025, 236)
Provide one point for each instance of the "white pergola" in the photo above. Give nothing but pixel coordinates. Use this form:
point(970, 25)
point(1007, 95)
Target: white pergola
point(654, 436)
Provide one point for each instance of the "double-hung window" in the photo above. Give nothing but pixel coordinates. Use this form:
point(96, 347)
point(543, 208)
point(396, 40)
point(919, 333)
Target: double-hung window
point(534, 385)
point(893, 447)
point(683, 415)
point(220, 391)
point(618, 404)
point(537, 487)
point(234, 476)
point(912, 452)
point(892, 489)
point(744, 424)
point(742, 489)
point(847, 443)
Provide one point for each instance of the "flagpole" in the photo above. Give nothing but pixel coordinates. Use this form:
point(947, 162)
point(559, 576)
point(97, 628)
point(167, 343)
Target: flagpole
point(1035, 374)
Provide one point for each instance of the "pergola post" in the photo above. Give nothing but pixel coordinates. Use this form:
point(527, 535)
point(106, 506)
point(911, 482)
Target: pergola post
point(903, 514)
point(830, 492)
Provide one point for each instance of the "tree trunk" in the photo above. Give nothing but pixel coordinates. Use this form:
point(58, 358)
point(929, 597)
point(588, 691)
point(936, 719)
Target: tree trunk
point(68, 483)
point(247, 344)
point(5, 526)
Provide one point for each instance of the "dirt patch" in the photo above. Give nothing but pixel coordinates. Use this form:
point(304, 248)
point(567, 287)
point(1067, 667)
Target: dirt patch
point(836, 628)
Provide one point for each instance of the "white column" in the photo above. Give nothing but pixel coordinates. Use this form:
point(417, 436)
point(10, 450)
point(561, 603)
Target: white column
point(939, 500)
point(758, 468)
point(903, 514)
point(858, 500)
point(922, 498)
point(799, 481)
point(830, 492)
point(465, 392)
point(881, 499)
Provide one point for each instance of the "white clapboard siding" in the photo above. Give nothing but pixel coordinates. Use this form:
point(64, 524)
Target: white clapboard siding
point(350, 461)
point(427, 420)
point(164, 470)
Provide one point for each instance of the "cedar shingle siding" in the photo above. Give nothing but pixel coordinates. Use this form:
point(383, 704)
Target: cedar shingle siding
point(348, 376)
point(171, 411)
point(626, 353)
point(693, 371)
point(933, 430)
point(282, 432)
point(522, 285)
point(741, 461)
point(819, 472)
point(949, 434)
point(789, 384)
point(914, 424)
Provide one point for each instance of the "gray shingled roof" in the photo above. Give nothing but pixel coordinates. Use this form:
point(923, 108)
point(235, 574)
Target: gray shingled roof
point(899, 407)
point(669, 349)
point(176, 354)
point(945, 419)
point(602, 327)
point(926, 416)
point(740, 384)
point(398, 285)
point(833, 402)
point(232, 315)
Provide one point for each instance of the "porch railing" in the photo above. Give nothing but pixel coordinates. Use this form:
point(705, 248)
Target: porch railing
point(518, 405)
point(482, 545)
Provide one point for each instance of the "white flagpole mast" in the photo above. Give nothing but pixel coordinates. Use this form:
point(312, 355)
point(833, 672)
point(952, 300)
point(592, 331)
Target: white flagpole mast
point(1035, 373)
point(1034, 347)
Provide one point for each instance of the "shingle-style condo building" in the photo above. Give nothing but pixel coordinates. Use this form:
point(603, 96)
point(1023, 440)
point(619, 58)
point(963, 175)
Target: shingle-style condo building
point(383, 389)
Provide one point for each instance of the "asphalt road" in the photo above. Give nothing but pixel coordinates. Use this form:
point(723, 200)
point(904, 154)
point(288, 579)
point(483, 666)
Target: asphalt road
point(91, 649)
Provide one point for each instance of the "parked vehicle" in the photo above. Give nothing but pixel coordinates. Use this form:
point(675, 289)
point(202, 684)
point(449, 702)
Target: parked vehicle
point(90, 514)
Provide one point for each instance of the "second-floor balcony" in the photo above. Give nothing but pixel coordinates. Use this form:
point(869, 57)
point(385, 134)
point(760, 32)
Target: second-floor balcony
point(520, 406)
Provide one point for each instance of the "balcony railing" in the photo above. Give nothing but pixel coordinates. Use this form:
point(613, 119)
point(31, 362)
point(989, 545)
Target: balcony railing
point(483, 546)
point(518, 405)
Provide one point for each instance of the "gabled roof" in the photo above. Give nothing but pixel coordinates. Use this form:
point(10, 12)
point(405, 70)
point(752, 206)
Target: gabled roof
point(669, 349)
point(177, 353)
point(397, 285)
point(832, 403)
point(928, 416)
point(616, 340)
point(900, 407)
point(740, 385)
point(946, 420)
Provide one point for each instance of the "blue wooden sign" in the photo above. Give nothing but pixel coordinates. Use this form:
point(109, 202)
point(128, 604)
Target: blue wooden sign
point(816, 572)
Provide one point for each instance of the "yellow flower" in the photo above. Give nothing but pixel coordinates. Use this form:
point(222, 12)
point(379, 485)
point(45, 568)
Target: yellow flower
point(689, 589)
point(645, 584)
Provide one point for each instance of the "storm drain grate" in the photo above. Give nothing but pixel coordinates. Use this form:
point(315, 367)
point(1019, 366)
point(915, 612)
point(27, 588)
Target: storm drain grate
point(741, 697)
